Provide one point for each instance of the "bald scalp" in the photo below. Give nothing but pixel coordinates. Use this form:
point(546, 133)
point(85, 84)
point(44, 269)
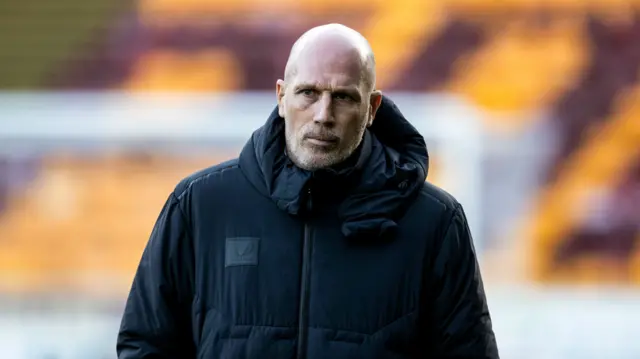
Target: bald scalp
point(342, 38)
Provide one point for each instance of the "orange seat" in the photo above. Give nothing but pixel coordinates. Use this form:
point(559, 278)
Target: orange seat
point(85, 221)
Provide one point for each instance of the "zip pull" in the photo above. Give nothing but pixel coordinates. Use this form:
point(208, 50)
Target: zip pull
point(309, 200)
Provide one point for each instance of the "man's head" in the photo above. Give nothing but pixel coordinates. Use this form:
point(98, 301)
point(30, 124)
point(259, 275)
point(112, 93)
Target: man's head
point(328, 96)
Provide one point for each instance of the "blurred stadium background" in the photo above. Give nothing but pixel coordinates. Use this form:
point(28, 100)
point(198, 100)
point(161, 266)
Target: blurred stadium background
point(530, 108)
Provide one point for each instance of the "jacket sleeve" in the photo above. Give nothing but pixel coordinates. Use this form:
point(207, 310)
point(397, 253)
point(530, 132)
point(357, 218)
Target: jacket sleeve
point(457, 315)
point(156, 323)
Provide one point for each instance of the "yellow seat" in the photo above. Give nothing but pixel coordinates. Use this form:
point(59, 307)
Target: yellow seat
point(598, 164)
point(522, 69)
point(90, 233)
point(211, 69)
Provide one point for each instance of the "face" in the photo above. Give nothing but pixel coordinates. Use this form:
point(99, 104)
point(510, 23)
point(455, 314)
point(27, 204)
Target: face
point(327, 106)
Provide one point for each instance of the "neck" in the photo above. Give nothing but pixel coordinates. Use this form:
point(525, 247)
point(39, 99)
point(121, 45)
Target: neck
point(346, 173)
point(348, 163)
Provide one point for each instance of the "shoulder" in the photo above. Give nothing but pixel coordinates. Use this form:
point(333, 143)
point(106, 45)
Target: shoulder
point(432, 196)
point(437, 204)
point(210, 177)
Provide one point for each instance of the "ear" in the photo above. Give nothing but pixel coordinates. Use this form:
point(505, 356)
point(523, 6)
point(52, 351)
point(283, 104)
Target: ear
point(280, 90)
point(375, 99)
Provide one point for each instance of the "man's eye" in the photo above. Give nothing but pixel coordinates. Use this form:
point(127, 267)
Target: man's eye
point(306, 92)
point(342, 97)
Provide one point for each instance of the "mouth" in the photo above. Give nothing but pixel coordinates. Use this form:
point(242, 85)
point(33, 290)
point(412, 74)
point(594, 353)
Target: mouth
point(324, 141)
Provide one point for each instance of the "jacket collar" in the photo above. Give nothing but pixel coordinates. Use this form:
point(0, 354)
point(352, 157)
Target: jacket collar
point(387, 172)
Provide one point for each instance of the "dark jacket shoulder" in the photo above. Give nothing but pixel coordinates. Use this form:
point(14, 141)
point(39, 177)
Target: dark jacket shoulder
point(437, 203)
point(205, 177)
point(438, 196)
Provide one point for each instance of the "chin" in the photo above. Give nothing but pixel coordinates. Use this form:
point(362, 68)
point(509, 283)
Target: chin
point(321, 162)
point(312, 162)
point(312, 158)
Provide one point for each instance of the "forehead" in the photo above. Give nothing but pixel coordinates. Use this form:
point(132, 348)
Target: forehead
point(329, 68)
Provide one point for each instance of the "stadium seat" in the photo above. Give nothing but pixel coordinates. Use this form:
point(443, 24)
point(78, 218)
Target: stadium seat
point(523, 67)
point(82, 221)
point(212, 69)
point(609, 152)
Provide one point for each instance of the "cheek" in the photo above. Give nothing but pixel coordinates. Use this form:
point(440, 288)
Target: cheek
point(355, 122)
point(293, 124)
point(298, 103)
point(297, 117)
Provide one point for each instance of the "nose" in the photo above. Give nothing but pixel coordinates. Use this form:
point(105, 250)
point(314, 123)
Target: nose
point(322, 109)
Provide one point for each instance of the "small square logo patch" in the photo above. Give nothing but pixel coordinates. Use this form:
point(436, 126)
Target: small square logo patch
point(241, 251)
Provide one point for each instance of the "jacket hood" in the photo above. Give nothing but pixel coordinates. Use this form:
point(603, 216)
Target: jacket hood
point(375, 189)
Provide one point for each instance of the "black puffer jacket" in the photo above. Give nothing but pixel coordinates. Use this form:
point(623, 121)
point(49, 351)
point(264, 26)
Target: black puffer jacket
point(255, 258)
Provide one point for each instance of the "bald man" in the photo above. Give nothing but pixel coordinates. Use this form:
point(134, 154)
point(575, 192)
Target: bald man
point(322, 240)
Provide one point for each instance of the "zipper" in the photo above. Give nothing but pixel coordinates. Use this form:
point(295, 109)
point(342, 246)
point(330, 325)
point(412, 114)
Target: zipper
point(303, 314)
